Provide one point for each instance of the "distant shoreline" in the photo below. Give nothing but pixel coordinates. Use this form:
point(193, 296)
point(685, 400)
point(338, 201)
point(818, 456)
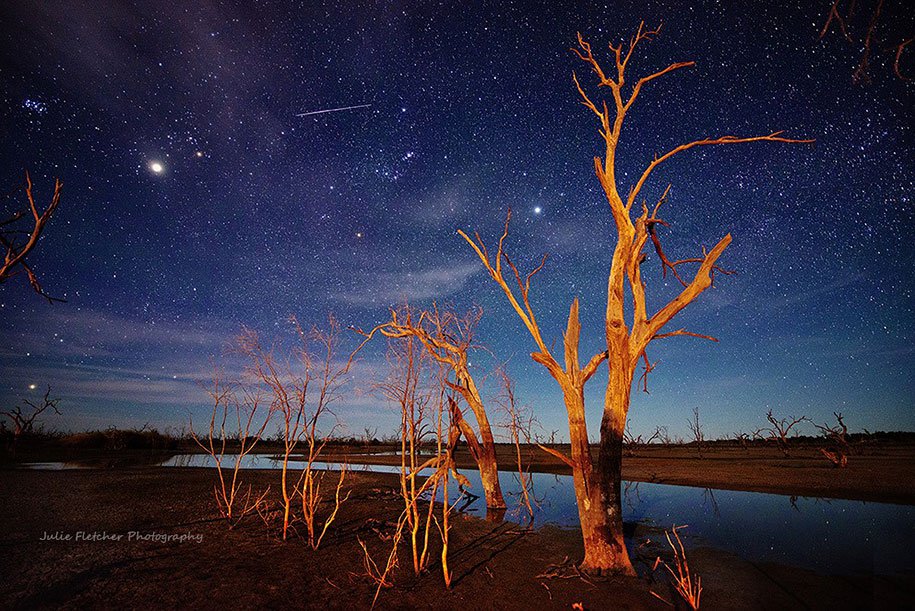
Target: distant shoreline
point(882, 473)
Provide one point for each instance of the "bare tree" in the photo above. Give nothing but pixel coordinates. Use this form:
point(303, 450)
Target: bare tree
point(695, 430)
point(663, 436)
point(23, 416)
point(837, 437)
point(780, 430)
point(419, 392)
point(448, 338)
point(597, 485)
point(860, 28)
point(233, 501)
point(743, 439)
point(633, 444)
point(519, 425)
point(369, 435)
point(409, 387)
point(19, 243)
point(303, 387)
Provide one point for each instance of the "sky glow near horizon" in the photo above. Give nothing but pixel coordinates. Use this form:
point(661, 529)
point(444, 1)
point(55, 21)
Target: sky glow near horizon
point(195, 200)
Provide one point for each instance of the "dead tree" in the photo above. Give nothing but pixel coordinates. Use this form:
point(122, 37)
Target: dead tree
point(420, 393)
point(18, 243)
point(663, 436)
point(448, 338)
point(743, 439)
point(409, 387)
point(838, 447)
point(597, 484)
point(519, 425)
point(860, 29)
point(633, 444)
point(695, 430)
point(303, 386)
point(780, 430)
point(243, 409)
point(23, 416)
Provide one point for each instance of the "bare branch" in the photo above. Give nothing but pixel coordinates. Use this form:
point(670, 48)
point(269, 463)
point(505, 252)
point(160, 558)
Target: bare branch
point(525, 311)
point(834, 15)
point(15, 253)
point(701, 281)
point(591, 368)
point(647, 79)
point(684, 332)
point(558, 455)
point(773, 137)
point(899, 49)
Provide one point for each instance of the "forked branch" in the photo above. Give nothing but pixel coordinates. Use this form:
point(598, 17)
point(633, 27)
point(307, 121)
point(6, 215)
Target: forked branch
point(14, 259)
point(523, 306)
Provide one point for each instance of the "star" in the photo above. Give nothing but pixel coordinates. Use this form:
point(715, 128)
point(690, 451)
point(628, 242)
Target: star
point(537, 209)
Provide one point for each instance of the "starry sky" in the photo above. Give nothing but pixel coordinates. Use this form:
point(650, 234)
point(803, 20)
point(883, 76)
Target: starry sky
point(197, 201)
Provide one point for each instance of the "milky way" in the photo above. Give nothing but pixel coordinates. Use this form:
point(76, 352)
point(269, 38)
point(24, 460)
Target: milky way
point(196, 201)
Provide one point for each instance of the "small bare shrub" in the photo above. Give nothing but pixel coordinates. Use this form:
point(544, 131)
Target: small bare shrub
point(23, 416)
point(686, 584)
point(303, 385)
point(228, 449)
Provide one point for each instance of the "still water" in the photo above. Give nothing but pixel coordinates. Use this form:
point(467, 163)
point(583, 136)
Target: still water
point(826, 535)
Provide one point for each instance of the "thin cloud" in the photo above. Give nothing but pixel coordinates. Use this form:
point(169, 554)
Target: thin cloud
point(391, 288)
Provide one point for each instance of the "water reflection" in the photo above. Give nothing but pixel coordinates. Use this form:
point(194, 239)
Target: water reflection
point(831, 536)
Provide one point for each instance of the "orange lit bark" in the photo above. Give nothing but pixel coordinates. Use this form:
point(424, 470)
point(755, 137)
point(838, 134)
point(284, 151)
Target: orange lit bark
point(597, 484)
point(447, 338)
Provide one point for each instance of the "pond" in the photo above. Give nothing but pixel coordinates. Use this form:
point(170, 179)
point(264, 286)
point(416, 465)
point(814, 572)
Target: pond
point(826, 535)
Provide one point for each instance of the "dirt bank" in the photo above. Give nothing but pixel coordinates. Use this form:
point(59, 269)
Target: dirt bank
point(883, 474)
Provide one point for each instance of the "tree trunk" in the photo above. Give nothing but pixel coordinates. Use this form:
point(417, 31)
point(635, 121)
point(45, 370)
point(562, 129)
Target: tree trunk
point(599, 507)
point(489, 472)
point(482, 451)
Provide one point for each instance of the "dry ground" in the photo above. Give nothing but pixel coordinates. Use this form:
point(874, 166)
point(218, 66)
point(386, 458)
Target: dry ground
point(496, 565)
point(882, 473)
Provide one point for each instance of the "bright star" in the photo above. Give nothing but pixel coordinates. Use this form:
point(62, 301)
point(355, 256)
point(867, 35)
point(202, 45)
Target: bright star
point(156, 167)
point(33, 386)
point(537, 209)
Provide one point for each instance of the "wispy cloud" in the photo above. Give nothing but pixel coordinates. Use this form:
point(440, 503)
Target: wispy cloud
point(391, 288)
point(817, 290)
point(67, 332)
point(110, 369)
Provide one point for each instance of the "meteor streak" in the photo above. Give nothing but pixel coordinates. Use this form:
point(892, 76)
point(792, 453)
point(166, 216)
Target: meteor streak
point(321, 112)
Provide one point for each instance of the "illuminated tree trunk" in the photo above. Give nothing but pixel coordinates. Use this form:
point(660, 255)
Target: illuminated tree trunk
point(448, 338)
point(609, 465)
point(483, 450)
point(597, 485)
point(489, 470)
point(599, 506)
point(489, 476)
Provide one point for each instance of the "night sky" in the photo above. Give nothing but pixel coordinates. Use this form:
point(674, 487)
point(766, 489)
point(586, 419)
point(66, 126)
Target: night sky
point(196, 201)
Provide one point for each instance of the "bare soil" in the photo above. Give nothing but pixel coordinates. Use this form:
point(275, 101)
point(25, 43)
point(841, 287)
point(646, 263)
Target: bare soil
point(496, 565)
